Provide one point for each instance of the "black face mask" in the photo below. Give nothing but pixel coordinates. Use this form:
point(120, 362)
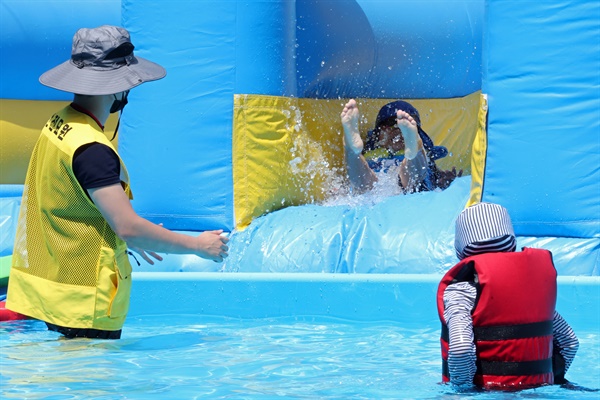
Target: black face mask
point(119, 105)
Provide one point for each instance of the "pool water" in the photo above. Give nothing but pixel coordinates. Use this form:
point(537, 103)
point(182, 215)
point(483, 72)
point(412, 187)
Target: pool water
point(191, 356)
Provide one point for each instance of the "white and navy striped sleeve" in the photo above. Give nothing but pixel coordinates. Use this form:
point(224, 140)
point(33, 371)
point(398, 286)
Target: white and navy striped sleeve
point(565, 339)
point(459, 300)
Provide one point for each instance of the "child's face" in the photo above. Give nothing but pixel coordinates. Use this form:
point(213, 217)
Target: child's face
point(390, 138)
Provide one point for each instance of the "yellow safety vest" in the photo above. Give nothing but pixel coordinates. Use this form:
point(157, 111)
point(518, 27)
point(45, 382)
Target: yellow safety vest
point(69, 268)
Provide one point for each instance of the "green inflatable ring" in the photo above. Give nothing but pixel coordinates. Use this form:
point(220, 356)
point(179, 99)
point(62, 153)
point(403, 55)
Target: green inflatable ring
point(5, 263)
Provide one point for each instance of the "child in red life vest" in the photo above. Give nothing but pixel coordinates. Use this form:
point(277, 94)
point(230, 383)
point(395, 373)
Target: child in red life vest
point(499, 326)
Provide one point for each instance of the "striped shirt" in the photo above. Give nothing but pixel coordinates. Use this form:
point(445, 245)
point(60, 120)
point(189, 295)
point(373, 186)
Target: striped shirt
point(459, 301)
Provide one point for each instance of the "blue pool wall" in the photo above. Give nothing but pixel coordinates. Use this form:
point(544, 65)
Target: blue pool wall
point(409, 299)
point(536, 61)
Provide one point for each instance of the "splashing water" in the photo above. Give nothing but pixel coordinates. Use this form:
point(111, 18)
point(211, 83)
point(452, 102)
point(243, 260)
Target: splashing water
point(386, 186)
point(323, 182)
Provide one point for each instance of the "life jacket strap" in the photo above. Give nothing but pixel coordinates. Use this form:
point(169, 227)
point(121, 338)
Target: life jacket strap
point(521, 368)
point(504, 332)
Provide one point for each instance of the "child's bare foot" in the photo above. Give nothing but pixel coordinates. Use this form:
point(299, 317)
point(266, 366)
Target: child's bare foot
point(410, 133)
point(349, 116)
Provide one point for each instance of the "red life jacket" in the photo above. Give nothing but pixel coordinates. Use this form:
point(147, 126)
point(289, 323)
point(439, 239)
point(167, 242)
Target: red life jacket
point(512, 317)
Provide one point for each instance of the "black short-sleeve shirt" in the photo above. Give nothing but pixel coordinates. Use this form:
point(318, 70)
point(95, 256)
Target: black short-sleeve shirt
point(96, 165)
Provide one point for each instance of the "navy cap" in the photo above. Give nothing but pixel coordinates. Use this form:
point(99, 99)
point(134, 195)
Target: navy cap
point(387, 114)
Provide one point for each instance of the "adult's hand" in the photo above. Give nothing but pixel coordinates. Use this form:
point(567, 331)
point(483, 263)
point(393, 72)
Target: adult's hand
point(145, 254)
point(213, 246)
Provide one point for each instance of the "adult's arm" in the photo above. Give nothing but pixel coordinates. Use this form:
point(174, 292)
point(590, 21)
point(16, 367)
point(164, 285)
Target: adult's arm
point(114, 205)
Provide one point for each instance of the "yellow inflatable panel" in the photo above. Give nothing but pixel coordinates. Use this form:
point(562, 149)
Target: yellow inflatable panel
point(21, 122)
point(479, 153)
point(289, 151)
point(278, 155)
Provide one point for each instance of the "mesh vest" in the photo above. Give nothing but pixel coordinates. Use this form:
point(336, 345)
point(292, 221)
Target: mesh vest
point(68, 268)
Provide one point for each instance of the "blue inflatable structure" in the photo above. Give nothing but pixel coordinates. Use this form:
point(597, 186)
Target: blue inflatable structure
point(540, 76)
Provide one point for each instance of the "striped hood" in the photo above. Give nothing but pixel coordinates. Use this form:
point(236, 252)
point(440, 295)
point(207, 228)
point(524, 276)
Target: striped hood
point(484, 228)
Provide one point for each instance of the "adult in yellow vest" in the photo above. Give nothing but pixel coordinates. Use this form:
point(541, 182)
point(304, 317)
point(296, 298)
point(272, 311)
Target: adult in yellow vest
point(70, 265)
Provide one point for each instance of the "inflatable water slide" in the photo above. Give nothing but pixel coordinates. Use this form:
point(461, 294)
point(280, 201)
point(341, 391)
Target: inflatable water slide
point(243, 134)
